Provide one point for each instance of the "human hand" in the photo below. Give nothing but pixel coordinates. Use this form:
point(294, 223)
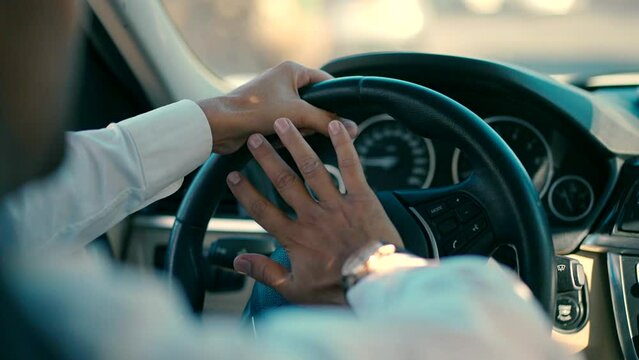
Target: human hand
point(325, 232)
point(252, 107)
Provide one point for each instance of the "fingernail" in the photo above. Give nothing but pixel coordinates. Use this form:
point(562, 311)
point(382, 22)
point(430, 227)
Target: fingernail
point(351, 127)
point(242, 266)
point(282, 124)
point(255, 140)
point(334, 127)
point(234, 177)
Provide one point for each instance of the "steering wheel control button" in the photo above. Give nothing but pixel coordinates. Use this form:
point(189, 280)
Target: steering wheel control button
point(467, 211)
point(447, 226)
point(454, 244)
point(475, 227)
point(457, 220)
point(436, 209)
point(567, 314)
point(456, 201)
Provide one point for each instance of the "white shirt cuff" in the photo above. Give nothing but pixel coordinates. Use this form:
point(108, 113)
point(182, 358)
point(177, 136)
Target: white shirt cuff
point(171, 141)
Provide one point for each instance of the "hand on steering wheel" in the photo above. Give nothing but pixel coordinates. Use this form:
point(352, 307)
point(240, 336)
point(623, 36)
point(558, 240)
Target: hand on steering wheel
point(326, 231)
point(506, 211)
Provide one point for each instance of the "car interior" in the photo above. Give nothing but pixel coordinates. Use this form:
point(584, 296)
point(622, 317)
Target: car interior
point(538, 170)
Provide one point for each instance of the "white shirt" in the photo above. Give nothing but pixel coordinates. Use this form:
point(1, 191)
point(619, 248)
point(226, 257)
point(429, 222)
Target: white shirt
point(96, 309)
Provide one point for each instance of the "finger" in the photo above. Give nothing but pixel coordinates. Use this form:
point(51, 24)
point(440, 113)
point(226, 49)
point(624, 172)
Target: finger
point(263, 211)
point(347, 159)
point(307, 161)
point(264, 270)
point(287, 183)
point(306, 76)
point(307, 116)
point(351, 127)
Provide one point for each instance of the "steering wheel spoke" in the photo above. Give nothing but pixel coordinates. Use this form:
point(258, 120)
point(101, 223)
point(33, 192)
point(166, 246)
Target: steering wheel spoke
point(452, 218)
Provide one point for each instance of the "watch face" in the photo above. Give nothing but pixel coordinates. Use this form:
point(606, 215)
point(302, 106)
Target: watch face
point(356, 261)
point(357, 265)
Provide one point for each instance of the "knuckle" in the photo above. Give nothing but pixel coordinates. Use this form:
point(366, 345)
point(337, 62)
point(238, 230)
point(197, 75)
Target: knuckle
point(257, 208)
point(284, 180)
point(309, 166)
point(349, 161)
point(288, 65)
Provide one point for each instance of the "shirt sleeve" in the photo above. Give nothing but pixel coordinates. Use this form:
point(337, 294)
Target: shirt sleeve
point(462, 308)
point(459, 309)
point(108, 174)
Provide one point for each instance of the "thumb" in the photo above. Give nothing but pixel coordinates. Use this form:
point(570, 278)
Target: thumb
point(263, 269)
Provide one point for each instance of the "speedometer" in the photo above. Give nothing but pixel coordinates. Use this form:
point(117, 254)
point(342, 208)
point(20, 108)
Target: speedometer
point(394, 157)
point(527, 143)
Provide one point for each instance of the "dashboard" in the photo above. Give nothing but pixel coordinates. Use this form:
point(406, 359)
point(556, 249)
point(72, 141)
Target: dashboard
point(568, 171)
point(542, 122)
point(573, 151)
point(394, 158)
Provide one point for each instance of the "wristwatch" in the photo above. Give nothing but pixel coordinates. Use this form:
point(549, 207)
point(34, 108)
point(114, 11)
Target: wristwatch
point(362, 262)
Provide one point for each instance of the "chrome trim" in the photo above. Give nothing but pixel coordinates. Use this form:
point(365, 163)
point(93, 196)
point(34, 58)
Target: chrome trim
point(431, 236)
point(624, 79)
point(618, 294)
point(512, 119)
point(165, 222)
point(601, 243)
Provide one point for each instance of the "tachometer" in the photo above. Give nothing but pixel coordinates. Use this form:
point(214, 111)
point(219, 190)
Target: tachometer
point(394, 157)
point(527, 143)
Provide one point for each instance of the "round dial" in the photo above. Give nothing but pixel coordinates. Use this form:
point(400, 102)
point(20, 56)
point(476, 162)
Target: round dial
point(571, 198)
point(526, 142)
point(394, 157)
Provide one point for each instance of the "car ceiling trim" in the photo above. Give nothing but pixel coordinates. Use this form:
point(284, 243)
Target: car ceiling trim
point(165, 66)
point(130, 50)
point(218, 225)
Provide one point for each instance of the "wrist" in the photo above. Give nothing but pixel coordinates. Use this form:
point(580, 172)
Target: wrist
point(377, 258)
point(227, 116)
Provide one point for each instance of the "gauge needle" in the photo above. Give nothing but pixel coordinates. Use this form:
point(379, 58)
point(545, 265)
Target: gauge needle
point(564, 194)
point(384, 162)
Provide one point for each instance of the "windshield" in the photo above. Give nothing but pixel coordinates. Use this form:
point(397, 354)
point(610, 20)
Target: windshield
point(239, 38)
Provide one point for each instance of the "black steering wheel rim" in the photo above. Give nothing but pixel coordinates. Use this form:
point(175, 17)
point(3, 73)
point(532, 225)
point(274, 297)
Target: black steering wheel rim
point(499, 183)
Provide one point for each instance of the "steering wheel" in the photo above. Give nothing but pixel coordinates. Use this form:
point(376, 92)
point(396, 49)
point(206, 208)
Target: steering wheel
point(497, 208)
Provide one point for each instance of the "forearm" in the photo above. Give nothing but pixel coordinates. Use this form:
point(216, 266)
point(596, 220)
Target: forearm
point(108, 174)
point(460, 309)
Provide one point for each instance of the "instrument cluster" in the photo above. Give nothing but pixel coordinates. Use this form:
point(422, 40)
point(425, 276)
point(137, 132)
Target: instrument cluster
point(394, 158)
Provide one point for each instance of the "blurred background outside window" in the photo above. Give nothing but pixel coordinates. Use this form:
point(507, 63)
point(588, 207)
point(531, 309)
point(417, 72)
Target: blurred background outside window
point(237, 39)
